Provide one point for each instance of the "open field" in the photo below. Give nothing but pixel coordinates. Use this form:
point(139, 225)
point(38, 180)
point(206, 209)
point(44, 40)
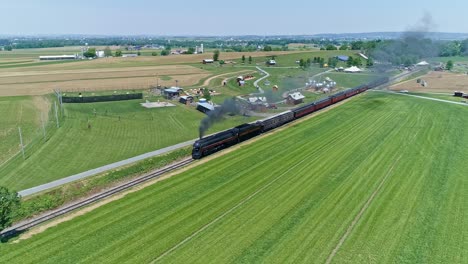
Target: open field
point(119, 130)
point(382, 173)
point(24, 112)
point(438, 82)
point(34, 82)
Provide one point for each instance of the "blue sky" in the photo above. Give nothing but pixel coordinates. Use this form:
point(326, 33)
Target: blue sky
point(239, 17)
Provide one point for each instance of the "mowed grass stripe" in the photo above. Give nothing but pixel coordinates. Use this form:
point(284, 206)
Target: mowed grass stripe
point(212, 243)
point(423, 209)
point(299, 218)
point(266, 148)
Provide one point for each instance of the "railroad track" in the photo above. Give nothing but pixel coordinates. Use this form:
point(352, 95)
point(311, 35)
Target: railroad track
point(93, 199)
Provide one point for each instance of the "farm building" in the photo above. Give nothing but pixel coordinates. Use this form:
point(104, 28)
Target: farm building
point(258, 103)
point(132, 55)
point(204, 107)
point(186, 99)
point(100, 54)
point(206, 61)
point(59, 57)
point(172, 92)
point(295, 98)
point(342, 58)
point(363, 56)
point(271, 62)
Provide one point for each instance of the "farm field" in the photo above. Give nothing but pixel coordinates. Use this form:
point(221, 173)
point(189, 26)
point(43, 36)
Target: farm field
point(380, 173)
point(28, 76)
point(437, 82)
point(38, 82)
point(119, 130)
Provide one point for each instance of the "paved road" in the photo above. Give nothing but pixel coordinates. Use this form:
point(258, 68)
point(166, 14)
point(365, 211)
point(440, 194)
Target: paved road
point(427, 98)
point(102, 169)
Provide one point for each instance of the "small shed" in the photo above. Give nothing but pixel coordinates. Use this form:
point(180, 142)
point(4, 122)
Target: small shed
point(271, 62)
point(204, 107)
point(186, 99)
point(206, 61)
point(172, 92)
point(295, 98)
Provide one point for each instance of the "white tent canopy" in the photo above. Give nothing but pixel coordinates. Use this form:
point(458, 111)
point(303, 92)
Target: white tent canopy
point(352, 69)
point(422, 63)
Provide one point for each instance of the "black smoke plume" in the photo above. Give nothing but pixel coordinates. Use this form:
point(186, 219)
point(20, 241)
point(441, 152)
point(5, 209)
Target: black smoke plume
point(229, 106)
point(413, 46)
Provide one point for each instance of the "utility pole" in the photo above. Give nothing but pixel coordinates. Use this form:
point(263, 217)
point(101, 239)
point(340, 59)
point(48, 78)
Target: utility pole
point(21, 141)
point(56, 114)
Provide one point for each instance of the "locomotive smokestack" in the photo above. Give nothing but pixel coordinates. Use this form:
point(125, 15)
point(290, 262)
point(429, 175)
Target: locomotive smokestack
point(228, 106)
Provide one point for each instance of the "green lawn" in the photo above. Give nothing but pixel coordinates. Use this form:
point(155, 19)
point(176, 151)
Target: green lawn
point(119, 130)
point(17, 112)
point(291, 196)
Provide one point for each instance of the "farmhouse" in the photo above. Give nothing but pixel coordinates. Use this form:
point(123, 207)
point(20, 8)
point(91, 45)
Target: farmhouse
point(295, 98)
point(59, 57)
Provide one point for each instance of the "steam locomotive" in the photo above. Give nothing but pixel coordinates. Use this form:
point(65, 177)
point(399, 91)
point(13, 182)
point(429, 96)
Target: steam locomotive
point(213, 143)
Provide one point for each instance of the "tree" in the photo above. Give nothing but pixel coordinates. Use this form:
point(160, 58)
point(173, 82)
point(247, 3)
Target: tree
point(243, 59)
point(118, 53)
point(107, 52)
point(206, 94)
point(164, 52)
point(332, 62)
point(449, 65)
point(216, 55)
point(250, 59)
point(267, 48)
point(331, 47)
point(8, 48)
point(302, 63)
point(191, 50)
point(90, 53)
point(350, 61)
point(344, 47)
point(154, 53)
point(9, 201)
point(138, 53)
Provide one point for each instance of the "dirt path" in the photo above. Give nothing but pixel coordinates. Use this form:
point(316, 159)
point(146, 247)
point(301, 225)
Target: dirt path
point(207, 81)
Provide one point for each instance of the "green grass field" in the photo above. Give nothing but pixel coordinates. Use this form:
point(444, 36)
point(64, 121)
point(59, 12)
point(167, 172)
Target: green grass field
point(17, 112)
point(75, 148)
point(291, 196)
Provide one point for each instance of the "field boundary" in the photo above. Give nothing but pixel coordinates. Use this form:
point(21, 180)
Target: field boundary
point(92, 172)
point(361, 212)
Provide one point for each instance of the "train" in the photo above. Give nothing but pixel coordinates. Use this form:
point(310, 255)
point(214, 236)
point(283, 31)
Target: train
point(227, 138)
